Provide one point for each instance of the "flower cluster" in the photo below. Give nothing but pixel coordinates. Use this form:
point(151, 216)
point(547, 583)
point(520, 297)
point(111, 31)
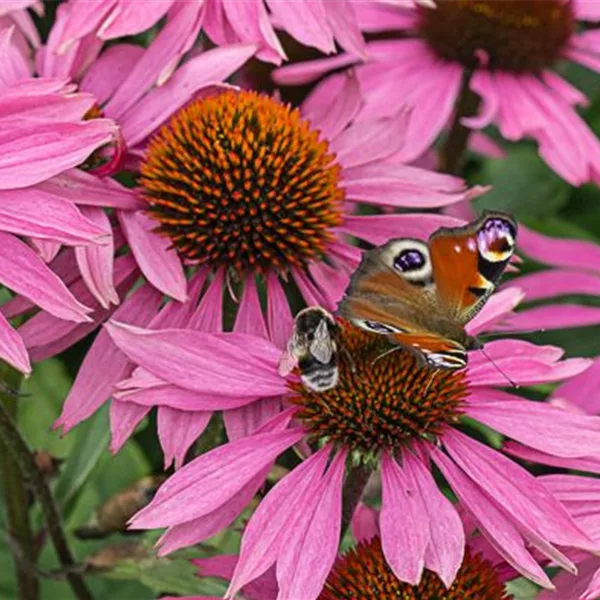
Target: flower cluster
point(179, 179)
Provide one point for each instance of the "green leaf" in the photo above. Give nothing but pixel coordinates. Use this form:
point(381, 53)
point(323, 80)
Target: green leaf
point(43, 396)
point(523, 185)
point(92, 438)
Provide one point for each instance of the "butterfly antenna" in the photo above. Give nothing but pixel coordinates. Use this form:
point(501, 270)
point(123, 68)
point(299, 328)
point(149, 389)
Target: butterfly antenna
point(512, 383)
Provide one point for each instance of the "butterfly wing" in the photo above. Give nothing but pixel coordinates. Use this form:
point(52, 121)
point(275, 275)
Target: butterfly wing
point(467, 263)
point(392, 293)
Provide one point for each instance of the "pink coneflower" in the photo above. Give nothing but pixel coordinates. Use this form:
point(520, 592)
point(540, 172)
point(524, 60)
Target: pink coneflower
point(315, 23)
point(386, 412)
point(505, 52)
point(272, 209)
point(44, 134)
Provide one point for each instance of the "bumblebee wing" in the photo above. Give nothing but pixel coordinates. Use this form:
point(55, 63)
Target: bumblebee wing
point(321, 346)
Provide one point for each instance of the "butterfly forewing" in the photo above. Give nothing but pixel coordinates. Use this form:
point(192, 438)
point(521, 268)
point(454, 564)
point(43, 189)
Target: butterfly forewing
point(468, 262)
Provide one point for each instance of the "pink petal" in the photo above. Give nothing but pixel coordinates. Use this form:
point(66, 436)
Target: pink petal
point(310, 550)
point(130, 18)
point(104, 364)
point(33, 212)
point(306, 21)
point(307, 72)
point(331, 281)
point(527, 501)
point(265, 533)
point(25, 273)
point(46, 249)
point(44, 109)
point(586, 10)
point(404, 522)
point(582, 390)
point(493, 523)
point(210, 67)
point(559, 282)
point(589, 463)
point(83, 18)
point(332, 116)
point(204, 527)
point(158, 261)
point(174, 38)
point(12, 348)
point(496, 308)
point(367, 141)
point(178, 430)
point(208, 316)
point(222, 364)
point(378, 229)
point(32, 153)
point(124, 418)
point(342, 21)
point(569, 587)
point(249, 318)
point(109, 70)
point(556, 316)
point(46, 335)
point(446, 547)
point(14, 65)
point(279, 315)
point(84, 188)
point(541, 426)
point(96, 263)
point(246, 419)
point(365, 523)
point(209, 481)
point(559, 252)
point(313, 296)
point(250, 21)
point(483, 84)
point(175, 397)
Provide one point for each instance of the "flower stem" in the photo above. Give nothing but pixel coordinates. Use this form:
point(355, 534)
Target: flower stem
point(22, 456)
point(20, 536)
point(353, 489)
point(451, 155)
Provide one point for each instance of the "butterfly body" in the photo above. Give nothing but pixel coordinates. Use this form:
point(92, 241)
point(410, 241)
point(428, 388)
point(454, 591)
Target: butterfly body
point(421, 295)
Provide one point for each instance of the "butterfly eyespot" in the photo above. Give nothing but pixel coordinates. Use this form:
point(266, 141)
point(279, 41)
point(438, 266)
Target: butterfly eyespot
point(409, 260)
point(496, 239)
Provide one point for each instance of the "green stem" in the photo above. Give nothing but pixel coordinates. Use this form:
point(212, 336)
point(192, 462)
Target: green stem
point(18, 449)
point(353, 489)
point(451, 156)
point(21, 540)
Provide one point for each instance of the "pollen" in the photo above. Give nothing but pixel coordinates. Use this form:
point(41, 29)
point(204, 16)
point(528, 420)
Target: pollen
point(242, 180)
point(521, 36)
point(363, 574)
point(382, 399)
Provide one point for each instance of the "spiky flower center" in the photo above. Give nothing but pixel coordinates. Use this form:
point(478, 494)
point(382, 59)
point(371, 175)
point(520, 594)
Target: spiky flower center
point(242, 180)
point(363, 574)
point(515, 35)
point(381, 400)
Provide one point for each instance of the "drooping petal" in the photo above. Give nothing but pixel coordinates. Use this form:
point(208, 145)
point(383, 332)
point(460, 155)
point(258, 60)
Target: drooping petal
point(365, 523)
point(206, 483)
point(497, 528)
point(304, 562)
point(518, 492)
point(12, 348)
point(555, 316)
point(404, 522)
point(105, 364)
point(157, 260)
point(124, 418)
point(178, 430)
point(582, 390)
point(24, 272)
point(496, 308)
point(265, 532)
point(96, 263)
point(197, 530)
point(279, 315)
point(446, 547)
